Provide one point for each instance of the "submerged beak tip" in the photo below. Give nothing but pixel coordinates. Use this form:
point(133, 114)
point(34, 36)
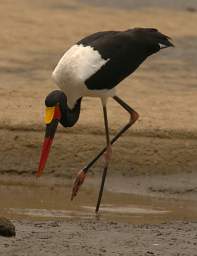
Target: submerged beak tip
point(38, 174)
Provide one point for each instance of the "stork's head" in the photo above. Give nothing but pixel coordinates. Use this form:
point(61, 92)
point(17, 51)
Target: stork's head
point(56, 110)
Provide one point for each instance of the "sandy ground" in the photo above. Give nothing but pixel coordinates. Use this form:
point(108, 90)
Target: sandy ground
point(100, 238)
point(156, 158)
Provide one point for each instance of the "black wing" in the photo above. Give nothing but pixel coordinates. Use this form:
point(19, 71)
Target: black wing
point(96, 36)
point(125, 51)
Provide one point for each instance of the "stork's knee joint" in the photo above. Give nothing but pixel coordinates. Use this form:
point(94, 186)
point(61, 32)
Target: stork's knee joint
point(133, 117)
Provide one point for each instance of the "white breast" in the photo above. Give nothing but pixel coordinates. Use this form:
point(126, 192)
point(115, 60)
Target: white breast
point(74, 68)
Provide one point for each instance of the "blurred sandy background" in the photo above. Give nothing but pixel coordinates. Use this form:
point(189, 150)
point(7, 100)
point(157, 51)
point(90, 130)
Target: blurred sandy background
point(34, 35)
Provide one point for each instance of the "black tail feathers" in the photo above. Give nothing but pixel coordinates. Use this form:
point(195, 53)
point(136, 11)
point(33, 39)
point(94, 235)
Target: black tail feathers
point(163, 40)
point(155, 37)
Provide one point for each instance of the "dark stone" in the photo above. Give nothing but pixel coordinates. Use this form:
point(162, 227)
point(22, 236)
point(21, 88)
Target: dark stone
point(6, 227)
point(191, 9)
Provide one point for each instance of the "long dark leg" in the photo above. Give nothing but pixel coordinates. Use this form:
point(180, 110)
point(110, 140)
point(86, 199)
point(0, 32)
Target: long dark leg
point(133, 117)
point(107, 158)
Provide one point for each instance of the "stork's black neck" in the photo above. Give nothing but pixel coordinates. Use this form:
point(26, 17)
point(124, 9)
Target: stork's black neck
point(69, 116)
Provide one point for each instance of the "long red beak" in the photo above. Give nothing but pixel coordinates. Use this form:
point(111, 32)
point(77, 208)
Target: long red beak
point(49, 135)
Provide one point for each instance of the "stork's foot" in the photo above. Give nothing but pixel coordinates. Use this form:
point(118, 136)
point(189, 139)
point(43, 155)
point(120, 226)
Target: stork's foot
point(77, 183)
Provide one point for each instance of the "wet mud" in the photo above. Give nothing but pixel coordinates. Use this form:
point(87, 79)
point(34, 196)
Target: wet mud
point(47, 222)
point(85, 237)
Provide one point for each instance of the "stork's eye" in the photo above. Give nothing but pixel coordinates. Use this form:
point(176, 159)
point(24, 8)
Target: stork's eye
point(53, 98)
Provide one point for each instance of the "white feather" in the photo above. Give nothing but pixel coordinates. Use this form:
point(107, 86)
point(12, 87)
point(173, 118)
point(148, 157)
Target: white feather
point(74, 68)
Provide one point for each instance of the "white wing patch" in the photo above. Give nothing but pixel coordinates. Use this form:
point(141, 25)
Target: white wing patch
point(74, 68)
point(79, 63)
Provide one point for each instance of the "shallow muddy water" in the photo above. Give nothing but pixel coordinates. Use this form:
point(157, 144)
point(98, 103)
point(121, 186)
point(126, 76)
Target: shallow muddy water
point(47, 202)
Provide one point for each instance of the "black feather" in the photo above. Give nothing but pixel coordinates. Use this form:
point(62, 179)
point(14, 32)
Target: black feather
point(125, 51)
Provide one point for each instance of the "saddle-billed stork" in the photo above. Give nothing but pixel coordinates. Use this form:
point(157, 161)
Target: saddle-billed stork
point(94, 67)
